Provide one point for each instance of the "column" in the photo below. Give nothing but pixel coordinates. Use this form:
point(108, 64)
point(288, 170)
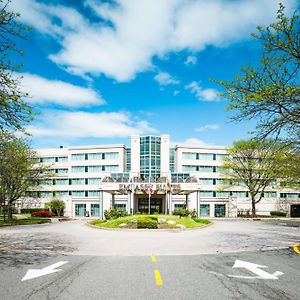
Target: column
point(187, 201)
point(101, 215)
point(170, 203)
point(129, 202)
point(198, 204)
point(113, 202)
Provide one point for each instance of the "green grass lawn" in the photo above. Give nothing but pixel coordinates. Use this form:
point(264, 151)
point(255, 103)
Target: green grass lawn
point(186, 221)
point(27, 221)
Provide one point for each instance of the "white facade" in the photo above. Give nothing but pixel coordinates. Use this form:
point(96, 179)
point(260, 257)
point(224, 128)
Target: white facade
point(91, 179)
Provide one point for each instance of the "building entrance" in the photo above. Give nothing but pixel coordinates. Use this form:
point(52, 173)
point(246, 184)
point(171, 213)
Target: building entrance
point(155, 205)
point(295, 211)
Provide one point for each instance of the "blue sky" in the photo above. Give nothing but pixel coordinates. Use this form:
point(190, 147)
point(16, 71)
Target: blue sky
point(99, 71)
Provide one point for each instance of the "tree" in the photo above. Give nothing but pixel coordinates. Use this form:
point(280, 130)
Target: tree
point(19, 171)
point(271, 93)
point(255, 164)
point(57, 206)
point(14, 111)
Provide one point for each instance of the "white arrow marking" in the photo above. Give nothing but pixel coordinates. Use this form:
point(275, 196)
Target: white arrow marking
point(254, 268)
point(34, 273)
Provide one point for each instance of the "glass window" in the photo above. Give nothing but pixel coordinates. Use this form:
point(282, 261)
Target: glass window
point(111, 168)
point(220, 210)
point(239, 194)
point(206, 181)
point(95, 168)
point(220, 157)
point(206, 194)
point(269, 194)
point(62, 158)
point(61, 171)
point(78, 181)
point(111, 155)
point(80, 210)
point(61, 181)
point(78, 193)
point(205, 169)
point(179, 206)
point(222, 194)
point(120, 206)
point(78, 169)
point(205, 156)
point(189, 155)
point(46, 194)
point(94, 156)
point(48, 159)
point(93, 181)
point(95, 210)
point(204, 210)
point(93, 193)
point(46, 182)
point(79, 156)
point(61, 193)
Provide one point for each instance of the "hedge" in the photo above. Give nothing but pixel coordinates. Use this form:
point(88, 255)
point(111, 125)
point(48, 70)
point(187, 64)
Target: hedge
point(278, 213)
point(147, 223)
point(41, 214)
point(31, 210)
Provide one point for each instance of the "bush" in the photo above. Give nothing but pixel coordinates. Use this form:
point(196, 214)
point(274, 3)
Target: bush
point(57, 206)
point(114, 214)
point(41, 214)
point(147, 223)
point(31, 210)
point(203, 221)
point(278, 213)
point(182, 212)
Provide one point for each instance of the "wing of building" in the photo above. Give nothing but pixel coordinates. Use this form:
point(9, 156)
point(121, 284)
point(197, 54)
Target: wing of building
point(91, 179)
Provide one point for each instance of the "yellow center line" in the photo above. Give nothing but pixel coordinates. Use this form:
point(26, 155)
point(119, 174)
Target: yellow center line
point(153, 258)
point(296, 249)
point(158, 277)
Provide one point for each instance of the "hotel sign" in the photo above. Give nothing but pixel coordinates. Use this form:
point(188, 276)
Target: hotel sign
point(145, 186)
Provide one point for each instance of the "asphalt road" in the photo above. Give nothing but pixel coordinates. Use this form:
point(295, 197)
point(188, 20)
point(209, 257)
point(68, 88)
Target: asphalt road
point(130, 273)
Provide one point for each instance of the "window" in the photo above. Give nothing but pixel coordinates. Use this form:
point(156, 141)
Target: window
point(95, 169)
point(205, 156)
point(120, 206)
point(222, 194)
point(61, 193)
point(46, 182)
point(111, 168)
point(78, 193)
point(78, 169)
point(189, 155)
point(205, 194)
point(77, 181)
point(80, 209)
point(239, 194)
point(205, 169)
point(95, 210)
point(93, 181)
point(61, 159)
point(61, 171)
point(61, 181)
point(80, 156)
point(46, 194)
point(93, 193)
point(95, 156)
point(112, 155)
point(206, 181)
point(204, 210)
point(269, 194)
point(220, 157)
point(48, 159)
point(220, 181)
point(179, 206)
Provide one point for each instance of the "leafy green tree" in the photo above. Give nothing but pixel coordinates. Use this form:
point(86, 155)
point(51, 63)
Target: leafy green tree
point(270, 92)
point(19, 171)
point(14, 111)
point(57, 206)
point(254, 164)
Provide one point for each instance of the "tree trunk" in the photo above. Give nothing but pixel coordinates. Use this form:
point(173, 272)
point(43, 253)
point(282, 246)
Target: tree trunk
point(253, 206)
point(9, 215)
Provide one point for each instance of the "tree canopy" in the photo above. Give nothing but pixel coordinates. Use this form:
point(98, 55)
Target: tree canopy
point(19, 171)
point(14, 111)
point(256, 165)
point(270, 93)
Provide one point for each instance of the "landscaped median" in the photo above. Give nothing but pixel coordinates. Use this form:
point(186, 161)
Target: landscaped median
point(24, 221)
point(151, 222)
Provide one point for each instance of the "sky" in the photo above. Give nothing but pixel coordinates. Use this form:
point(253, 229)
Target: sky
point(98, 72)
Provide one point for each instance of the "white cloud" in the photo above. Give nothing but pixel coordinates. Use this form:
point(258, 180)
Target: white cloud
point(164, 78)
point(202, 94)
point(130, 33)
point(207, 127)
point(191, 60)
point(88, 125)
point(44, 91)
point(176, 92)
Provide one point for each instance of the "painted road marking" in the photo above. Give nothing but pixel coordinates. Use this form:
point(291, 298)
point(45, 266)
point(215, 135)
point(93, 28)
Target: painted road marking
point(34, 273)
point(153, 258)
point(158, 277)
point(256, 269)
point(296, 248)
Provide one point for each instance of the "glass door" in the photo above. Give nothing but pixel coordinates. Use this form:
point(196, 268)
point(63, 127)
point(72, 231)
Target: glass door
point(95, 210)
point(220, 210)
point(80, 210)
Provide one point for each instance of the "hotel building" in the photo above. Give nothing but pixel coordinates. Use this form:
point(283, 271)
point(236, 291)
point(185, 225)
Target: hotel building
point(91, 179)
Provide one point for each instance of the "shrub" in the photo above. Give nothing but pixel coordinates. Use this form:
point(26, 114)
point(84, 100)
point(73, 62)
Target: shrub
point(278, 213)
point(147, 223)
point(182, 212)
point(31, 210)
point(203, 221)
point(41, 214)
point(57, 206)
point(114, 213)
point(156, 213)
